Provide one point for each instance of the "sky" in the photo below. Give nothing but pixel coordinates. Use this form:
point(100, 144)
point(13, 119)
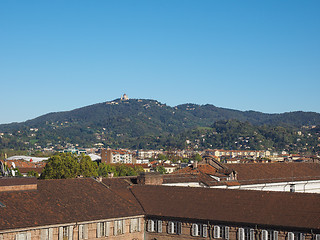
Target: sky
point(245, 55)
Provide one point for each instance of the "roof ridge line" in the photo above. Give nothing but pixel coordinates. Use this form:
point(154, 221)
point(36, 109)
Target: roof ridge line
point(130, 188)
point(118, 195)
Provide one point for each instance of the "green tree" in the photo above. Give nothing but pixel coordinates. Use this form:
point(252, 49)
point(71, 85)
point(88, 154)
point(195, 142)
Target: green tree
point(32, 173)
point(61, 165)
point(197, 157)
point(160, 169)
point(87, 168)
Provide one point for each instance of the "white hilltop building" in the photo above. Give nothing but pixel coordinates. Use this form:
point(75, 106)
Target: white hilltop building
point(124, 97)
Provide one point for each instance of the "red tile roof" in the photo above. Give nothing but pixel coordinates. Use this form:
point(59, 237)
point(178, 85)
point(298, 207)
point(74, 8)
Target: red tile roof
point(255, 208)
point(275, 172)
point(63, 201)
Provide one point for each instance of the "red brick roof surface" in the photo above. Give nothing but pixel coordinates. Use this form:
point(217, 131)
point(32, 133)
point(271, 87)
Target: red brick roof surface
point(280, 209)
point(276, 172)
point(63, 201)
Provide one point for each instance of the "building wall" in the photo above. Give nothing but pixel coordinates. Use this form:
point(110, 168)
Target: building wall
point(38, 233)
point(186, 233)
point(312, 186)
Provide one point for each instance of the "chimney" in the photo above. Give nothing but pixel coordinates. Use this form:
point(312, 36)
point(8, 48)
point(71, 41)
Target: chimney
point(150, 178)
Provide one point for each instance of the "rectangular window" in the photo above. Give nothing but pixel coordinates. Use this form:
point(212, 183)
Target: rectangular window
point(46, 234)
point(216, 231)
point(119, 227)
point(241, 234)
point(23, 236)
point(134, 225)
point(290, 236)
point(103, 229)
point(174, 227)
point(224, 232)
point(154, 226)
point(65, 233)
point(299, 236)
point(196, 229)
point(159, 226)
point(269, 235)
point(83, 231)
point(246, 234)
point(151, 225)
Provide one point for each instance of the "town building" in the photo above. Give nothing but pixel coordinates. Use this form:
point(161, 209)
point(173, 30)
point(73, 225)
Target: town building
point(110, 208)
point(280, 176)
point(116, 156)
point(237, 153)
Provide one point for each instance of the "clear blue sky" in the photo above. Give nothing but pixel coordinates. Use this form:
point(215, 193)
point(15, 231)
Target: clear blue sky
point(245, 55)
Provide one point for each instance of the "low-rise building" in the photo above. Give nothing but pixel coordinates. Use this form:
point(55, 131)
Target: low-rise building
point(72, 209)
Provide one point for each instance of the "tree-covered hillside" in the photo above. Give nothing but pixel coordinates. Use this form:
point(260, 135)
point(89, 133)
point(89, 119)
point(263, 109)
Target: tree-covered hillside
point(140, 123)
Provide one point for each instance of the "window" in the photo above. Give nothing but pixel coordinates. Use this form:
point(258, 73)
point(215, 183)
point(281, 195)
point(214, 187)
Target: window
point(46, 234)
point(174, 227)
point(292, 188)
point(66, 233)
point(119, 227)
point(199, 230)
point(295, 236)
point(269, 235)
point(154, 226)
point(196, 229)
point(246, 234)
point(224, 232)
point(23, 236)
point(221, 232)
point(135, 225)
point(83, 231)
point(102, 230)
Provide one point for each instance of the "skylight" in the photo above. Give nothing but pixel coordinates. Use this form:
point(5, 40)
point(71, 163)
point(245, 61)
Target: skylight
point(2, 205)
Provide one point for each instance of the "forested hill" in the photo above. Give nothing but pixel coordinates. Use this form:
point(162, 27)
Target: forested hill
point(155, 116)
point(115, 121)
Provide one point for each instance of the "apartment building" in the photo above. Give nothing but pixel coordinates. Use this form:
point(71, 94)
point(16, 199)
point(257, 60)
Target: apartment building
point(116, 156)
point(236, 153)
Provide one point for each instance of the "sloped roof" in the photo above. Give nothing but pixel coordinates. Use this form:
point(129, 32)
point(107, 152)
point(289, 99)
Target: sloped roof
point(204, 168)
point(275, 172)
point(276, 209)
point(63, 201)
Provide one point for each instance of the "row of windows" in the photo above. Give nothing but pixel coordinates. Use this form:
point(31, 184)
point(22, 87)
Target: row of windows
point(222, 232)
point(66, 233)
point(249, 234)
point(103, 228)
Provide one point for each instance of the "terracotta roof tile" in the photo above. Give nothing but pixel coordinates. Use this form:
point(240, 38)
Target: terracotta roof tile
point(293, 210)
point(275, 172)
point(63, 201)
